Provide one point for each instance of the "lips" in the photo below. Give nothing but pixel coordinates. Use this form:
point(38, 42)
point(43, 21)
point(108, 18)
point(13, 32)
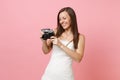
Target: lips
point(63, 24)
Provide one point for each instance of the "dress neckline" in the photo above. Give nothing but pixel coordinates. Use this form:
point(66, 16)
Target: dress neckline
point(68, 42)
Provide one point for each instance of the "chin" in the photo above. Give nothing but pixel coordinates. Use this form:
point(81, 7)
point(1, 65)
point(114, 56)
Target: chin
point(66, 28)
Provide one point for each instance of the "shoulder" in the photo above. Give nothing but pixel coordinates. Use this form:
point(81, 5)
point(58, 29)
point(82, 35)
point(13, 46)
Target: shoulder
point(81, 37)
point(81, 42)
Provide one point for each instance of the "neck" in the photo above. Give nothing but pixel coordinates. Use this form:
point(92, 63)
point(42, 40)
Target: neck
point(68, 31)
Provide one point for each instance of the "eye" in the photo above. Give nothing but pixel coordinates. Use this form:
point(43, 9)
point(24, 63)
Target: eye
point(64, 17)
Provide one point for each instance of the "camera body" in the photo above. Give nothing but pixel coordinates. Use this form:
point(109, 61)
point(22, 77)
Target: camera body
point(47, 33)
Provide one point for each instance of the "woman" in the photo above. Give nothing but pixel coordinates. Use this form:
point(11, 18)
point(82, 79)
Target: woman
point(67, 44)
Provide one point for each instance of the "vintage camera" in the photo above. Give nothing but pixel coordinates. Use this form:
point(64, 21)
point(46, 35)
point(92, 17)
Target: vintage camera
point(47, 33)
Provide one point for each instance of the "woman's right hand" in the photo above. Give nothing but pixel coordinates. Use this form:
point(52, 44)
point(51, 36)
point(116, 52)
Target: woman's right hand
point(48, 41)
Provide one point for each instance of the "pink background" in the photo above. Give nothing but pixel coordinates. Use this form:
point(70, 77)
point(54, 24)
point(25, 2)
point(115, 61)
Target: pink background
point(21, 57)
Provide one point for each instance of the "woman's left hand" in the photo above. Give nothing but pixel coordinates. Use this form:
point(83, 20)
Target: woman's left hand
point(55, 40)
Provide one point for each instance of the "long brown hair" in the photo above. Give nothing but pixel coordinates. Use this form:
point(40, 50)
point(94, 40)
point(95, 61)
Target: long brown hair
point(74, 27)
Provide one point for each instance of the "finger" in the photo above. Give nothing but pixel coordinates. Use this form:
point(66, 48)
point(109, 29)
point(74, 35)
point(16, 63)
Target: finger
point(52, 37)
point(49, 40)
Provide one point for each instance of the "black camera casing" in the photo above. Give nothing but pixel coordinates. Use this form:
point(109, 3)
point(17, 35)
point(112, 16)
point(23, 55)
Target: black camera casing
point(47, 33)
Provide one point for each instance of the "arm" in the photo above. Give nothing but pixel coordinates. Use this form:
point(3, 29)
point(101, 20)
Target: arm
point(78, 53)
point(46, 44)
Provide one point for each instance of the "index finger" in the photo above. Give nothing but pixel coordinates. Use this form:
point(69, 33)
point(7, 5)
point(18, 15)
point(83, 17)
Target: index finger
point(52, 37)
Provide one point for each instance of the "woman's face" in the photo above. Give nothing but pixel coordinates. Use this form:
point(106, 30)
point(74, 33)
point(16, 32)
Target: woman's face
point(64, 20)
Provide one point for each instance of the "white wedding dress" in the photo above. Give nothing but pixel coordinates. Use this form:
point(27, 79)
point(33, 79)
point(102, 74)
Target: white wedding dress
point(60, 65)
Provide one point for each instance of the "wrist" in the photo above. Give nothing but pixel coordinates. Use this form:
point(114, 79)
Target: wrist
point(61, 45)
point(44, 41)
